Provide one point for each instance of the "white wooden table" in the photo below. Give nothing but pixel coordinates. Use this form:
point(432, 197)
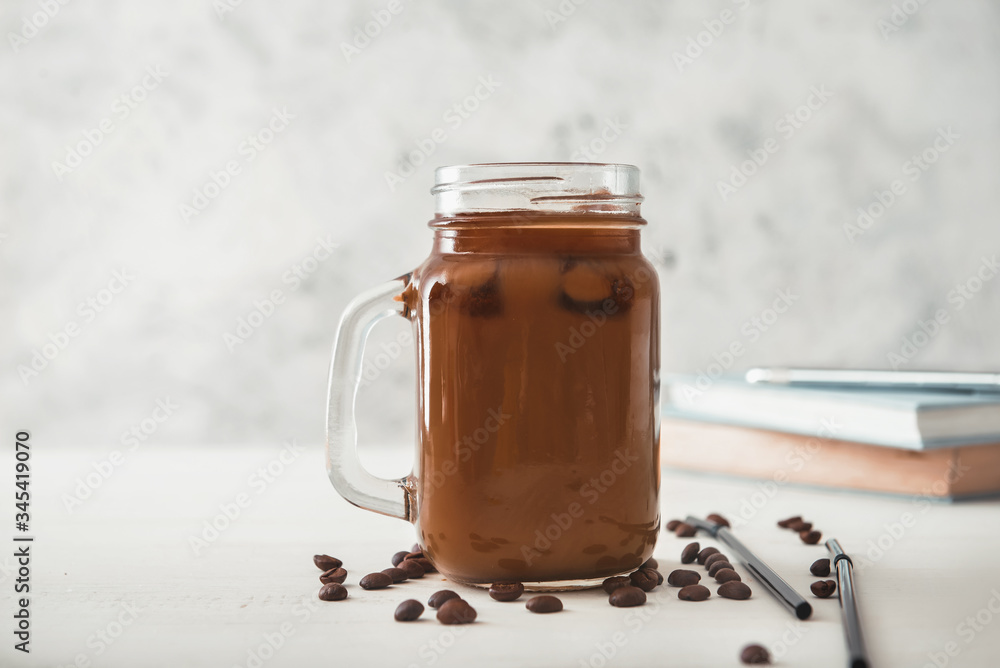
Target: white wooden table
point(117, 583)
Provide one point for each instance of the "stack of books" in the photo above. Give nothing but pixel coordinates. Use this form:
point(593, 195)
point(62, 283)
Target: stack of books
point(935, 443)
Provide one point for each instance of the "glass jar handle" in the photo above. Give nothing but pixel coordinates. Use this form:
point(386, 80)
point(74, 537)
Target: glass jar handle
point(349, 477)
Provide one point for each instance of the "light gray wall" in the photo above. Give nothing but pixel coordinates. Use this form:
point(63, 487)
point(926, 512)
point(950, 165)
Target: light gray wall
point(723, 260)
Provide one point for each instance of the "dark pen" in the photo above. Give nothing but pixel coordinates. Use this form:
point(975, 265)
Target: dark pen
point(857, 656)
point(778, 588)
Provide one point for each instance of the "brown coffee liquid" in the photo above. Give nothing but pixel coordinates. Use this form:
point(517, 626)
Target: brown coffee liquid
point(539, 353)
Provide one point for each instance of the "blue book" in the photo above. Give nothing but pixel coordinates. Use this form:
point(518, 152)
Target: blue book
point(915, 419)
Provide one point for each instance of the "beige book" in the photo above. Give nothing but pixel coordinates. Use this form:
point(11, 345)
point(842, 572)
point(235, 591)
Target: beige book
point(960, 471)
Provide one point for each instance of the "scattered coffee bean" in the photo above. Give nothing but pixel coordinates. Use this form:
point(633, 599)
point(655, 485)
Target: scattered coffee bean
point(705, 554)
point(506, 591)
point(408, 610)
point(627, 597)
point(441, 597)
point(543, 604)
point(615, 582)
point(412, 569)
point(755, 654)
point(325, 562)
point(456, 611)
point(820, 568)
point(426, 563)
point(683, 578)
point(685, 530)
point(416, 554)
point(398, 557)
point(717, 566)
point(690, 553)
point(645, 579)
point(332, 592)
point(397, 574)
point(810, 537)
point(650, 563)
point(784, 524)
point(375, 581)
point(659, 576)
point(718, 519)
point(823, 588)
point(337, 575)
point(672, 524)
point(734, 590)
point(694, 593)
point(724, 575)
point(712, 558)
point(800, 526)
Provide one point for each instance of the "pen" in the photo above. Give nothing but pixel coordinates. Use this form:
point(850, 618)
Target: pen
point(778, 588)
point(963, 381)
point(857, 657)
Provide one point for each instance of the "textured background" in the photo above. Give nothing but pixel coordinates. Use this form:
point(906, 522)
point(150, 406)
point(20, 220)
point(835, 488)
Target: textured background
point(565, 71)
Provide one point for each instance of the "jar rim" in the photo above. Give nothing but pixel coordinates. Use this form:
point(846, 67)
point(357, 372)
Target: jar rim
point(554, 187)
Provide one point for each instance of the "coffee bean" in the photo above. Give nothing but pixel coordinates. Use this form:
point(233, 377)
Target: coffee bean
point(734, 590)
point(408, 610)
point(785, 523)
point(690, 553)
point(416, 547)
point(727, 575)
point(820, 568)
point(375, 581)
point(441, 597)
point(754, 654)
point(645, 579)
point(718, 519)
point(683, 578)
point(397, 574)
point(672, 524)
point(810, 537)
point(800, 526)
point(712, 558)
point(718, 566)
point(543, 604)
point(412, 569)
point(617, 581)
point(659, 576)
point(627, 597)
point(337, 575)
point(694, 593)
point(823, 588)
point(650, 563)
point(426, 563)
point(706, 553)
point(398, 557)
point(456, 611)
point(332, 592)
point(685, 530)
point(506, 591)
point(325, 562)
point(416, 554)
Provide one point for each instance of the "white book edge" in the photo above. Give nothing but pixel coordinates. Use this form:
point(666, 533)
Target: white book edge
point(876, 424)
